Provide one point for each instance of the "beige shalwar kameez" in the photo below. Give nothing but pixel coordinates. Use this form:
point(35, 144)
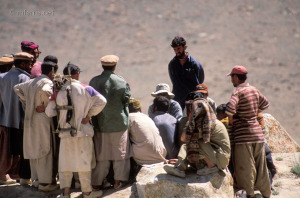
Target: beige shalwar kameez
point(37, 146)
point(147, 144)
point(113, 146)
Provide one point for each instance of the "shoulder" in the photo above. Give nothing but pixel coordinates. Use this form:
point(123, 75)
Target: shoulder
point(138, 116)
point(174, 103)
point(117, 77)
point(173, 61)
point(194, 61)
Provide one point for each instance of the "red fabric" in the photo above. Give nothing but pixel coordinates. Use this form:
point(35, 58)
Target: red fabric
point(238, 69)
point(8, 163)
point(29, 44)
point(36, 70)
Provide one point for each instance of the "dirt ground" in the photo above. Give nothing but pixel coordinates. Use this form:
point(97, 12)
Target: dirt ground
point(285, 184)
point(264, 36)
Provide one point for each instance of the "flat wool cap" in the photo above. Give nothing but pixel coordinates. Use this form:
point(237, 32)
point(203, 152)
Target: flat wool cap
point(23, 56)
point(109, 60)
point(6, 60)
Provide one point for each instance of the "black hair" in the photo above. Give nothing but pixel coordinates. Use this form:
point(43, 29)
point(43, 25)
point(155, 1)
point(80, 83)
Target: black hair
point(47, 67)
point(242, 77)
point(161, 103)
point(178, 41)
point(74, 69)
point(6, 67)
point(193, 95)
point(221, 108)
point(18, 62)
point(108, 67)
point(26, 49)
point(51, 58)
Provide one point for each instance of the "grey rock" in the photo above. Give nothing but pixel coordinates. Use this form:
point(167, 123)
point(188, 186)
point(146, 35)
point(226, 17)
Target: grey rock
point(153, 181)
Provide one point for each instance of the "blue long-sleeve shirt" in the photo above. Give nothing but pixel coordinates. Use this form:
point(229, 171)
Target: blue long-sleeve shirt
point(167, 126)
point(185, 78)
point(12, 112)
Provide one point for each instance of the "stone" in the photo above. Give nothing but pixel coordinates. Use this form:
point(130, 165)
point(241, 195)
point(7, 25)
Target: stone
point(277, 138)
point(153, 181)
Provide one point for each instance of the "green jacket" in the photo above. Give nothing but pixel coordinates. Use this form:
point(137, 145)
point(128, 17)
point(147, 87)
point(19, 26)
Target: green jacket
point(115, 115)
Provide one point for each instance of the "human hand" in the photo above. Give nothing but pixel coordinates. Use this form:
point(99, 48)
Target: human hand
point(206, 138)
point(40, 108)
point(172, 161)
point(85, 120)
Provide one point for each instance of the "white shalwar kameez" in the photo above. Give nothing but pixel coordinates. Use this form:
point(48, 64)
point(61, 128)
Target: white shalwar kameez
point(76, 154)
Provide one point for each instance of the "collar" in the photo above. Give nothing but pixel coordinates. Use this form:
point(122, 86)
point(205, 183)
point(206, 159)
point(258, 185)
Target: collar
point(20, 70)
point(108, 71)
point(159, 112)
point(243, 85)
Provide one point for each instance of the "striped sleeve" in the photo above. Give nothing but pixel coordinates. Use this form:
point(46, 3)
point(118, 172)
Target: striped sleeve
point(263, 103)
point(231, 105)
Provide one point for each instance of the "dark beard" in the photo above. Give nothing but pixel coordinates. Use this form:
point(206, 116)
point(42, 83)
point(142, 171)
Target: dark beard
point(181, 56)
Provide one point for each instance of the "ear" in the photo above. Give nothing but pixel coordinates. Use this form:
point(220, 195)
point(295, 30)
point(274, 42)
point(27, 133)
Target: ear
point(185, 47)
point(50, 75)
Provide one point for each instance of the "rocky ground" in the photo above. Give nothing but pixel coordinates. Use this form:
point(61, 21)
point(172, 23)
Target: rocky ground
point(285, 184)
point(262, 35)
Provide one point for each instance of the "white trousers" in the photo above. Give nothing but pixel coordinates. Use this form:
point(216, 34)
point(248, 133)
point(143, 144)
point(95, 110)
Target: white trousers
point(65, 179)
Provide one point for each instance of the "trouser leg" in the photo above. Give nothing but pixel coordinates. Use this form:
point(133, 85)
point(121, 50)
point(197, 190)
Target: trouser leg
point(65, 179)
point(100, 172)
point(85, 181)
point(121, 169)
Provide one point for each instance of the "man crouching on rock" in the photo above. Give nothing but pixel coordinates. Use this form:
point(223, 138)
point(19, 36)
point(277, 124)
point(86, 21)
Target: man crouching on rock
point(207, 147)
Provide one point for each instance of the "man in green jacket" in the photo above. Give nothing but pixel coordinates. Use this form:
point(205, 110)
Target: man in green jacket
point(111, 135)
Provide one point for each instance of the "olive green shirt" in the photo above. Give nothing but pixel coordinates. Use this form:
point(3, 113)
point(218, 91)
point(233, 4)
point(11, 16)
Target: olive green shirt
point(115, 115)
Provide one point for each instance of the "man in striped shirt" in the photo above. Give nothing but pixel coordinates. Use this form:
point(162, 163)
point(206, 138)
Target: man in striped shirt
point(248, 155)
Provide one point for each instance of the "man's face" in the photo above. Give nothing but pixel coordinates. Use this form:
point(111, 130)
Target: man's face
point(179, 51)
point(221, 115)
point(27, 66)
point(35, 53)
point(234, 80)
point(164, 95)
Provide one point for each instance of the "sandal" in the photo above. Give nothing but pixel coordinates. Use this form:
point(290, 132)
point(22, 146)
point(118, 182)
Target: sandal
point(121, 184)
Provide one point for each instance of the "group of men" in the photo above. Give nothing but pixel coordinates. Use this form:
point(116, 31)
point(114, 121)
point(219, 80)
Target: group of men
point(104, 136)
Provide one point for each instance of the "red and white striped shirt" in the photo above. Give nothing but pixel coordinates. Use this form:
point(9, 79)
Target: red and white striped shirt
point(245, 103)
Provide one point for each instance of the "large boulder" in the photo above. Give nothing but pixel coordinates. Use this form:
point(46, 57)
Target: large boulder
point(153, 181)
point(277, 138)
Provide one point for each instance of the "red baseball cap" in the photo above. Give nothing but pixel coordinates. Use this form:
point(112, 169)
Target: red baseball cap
point(202, 88)
point(238, 69)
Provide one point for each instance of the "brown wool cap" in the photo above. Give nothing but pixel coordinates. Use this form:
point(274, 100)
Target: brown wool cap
point(23, 56)
point(109, 60)
point(6, 60)
point(202, 88)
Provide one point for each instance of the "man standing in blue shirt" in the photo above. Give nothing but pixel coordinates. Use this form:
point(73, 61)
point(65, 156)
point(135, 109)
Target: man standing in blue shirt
point(185, 71)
